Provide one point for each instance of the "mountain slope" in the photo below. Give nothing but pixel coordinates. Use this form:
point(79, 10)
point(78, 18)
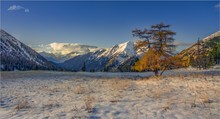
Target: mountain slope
point(17, 56)
point(205, 46)
point(50, 57)
point(57, 58)
point(105, 59)
point(91, 61)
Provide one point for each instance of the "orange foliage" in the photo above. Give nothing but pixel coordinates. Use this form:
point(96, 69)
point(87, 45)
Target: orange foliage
point(149, 61)
point(155, 61)
point(186, 61)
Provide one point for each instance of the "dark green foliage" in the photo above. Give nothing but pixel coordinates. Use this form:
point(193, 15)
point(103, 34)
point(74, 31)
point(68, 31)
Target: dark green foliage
point(11, 64)
point(127, 65)
point(106, 69)
point(84, 67)
point(208, 54)
point(215, 53)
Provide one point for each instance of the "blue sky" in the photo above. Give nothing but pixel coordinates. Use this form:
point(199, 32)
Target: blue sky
point(105, 24)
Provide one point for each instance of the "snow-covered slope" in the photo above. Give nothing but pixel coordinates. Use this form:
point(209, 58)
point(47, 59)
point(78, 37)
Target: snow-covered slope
point(17, 56)
point(105, 59)
point(124, 48)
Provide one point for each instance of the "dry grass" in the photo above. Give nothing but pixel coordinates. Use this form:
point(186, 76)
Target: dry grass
point(51, 105)
point(183, 76)
point(89, 102)
point(117, 86)
point(206, 99)
point(22, 104)
point(166, 106)
point(77, 113)
point(80, 89)
point(168, 93)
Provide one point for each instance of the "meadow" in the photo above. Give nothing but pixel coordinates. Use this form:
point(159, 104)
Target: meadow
point(179, 94)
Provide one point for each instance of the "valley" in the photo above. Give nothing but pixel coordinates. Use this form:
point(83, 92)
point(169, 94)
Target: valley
point(109, 59)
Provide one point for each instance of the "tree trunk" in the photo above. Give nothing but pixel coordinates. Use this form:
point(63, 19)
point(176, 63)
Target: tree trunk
point(161, 73)
point(156, 72)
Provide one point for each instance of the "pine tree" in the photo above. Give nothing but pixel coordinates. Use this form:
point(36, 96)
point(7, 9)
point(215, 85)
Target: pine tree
point(199, 58)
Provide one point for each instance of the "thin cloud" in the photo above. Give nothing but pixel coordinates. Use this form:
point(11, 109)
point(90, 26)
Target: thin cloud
point(180, 43)
point(17, 8)
point(26, 10)
point(217, 6)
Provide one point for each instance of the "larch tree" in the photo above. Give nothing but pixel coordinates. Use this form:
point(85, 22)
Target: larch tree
point(159, 41)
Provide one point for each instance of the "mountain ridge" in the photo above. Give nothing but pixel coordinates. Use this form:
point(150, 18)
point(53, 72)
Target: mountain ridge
point(15, 55)
point(108, 59)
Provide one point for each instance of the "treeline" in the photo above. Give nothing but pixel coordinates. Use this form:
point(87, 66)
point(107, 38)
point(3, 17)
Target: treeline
point(19, 63)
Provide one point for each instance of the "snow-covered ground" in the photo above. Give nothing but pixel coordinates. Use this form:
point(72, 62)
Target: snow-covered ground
point(179, 94)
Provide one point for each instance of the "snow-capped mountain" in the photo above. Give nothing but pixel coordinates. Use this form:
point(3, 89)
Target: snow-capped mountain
point(109, 59)
point(60, 52)
point(17, 56)
point(57, 58)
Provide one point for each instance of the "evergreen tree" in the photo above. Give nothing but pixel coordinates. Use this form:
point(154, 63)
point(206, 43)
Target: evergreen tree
point(199, 58)
point(106, 69)
point(215, 53)
point(84, 67)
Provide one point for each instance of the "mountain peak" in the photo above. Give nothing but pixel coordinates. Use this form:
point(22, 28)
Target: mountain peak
point(127, 48)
